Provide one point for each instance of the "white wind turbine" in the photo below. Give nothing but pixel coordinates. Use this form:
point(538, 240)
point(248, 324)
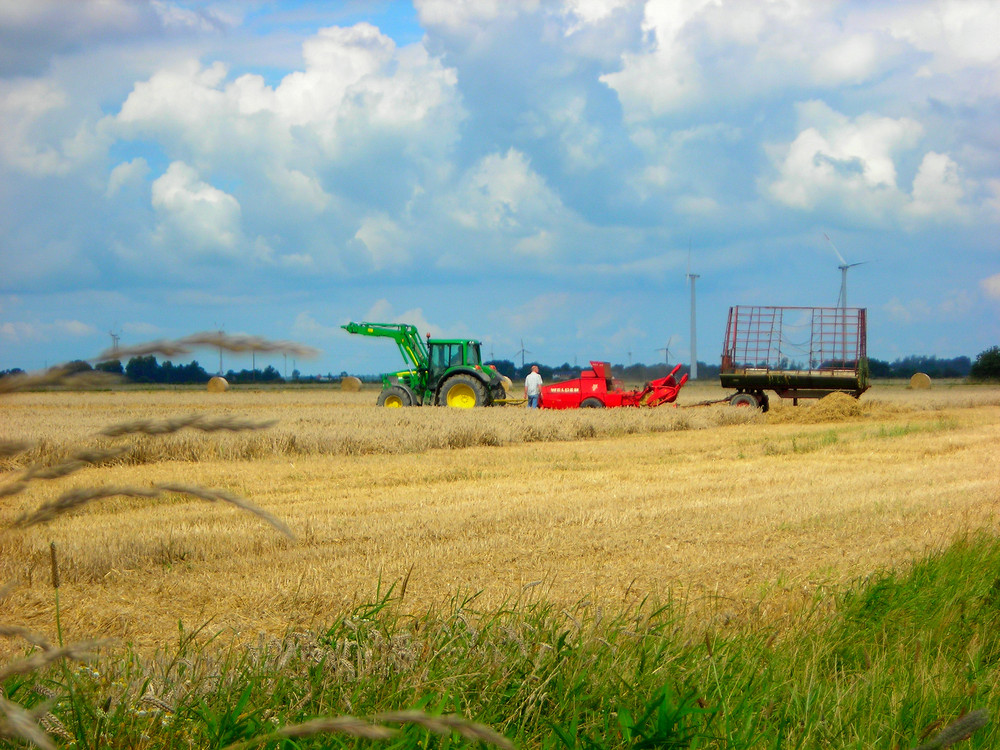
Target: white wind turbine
point(844, 265)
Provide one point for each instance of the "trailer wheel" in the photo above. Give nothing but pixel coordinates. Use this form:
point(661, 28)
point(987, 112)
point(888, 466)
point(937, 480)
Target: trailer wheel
point(592, 403)
point(462, 392)
point(745, 400)
point(394, 397)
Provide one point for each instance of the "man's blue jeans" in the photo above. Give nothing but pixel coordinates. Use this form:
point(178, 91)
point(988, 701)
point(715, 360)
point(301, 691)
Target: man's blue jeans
point(533, 401)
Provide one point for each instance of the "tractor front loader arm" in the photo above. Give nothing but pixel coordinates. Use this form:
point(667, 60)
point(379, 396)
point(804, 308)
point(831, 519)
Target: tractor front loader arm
point(407, 338)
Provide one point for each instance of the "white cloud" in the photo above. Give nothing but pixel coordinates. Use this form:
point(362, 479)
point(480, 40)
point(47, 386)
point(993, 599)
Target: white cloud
point(467, 15)
point(23, 104)
point(504, 193)
point(383, 242)
point(306, 326)
point(991, 286)
point(194, 216)
point(957, 32)
point(937, 189)
point(538, 311)
point(126, 173)
point(838, 161)
point(357, 86)
point(382, 311)
point(20, 332)
point(912, 311)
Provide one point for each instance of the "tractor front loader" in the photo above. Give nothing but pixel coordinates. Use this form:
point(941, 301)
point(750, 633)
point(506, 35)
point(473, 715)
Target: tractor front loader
point(443, 372)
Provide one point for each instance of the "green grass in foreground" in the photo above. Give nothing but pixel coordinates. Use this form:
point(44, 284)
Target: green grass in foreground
point(889, 662)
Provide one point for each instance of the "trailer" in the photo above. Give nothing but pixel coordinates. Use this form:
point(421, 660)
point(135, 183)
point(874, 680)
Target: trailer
point(796, 352)
point(596, 388)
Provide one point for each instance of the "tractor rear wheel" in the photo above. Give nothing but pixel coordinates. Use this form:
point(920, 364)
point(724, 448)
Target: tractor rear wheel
point(394, 397)
point(745, 400)
point(462, 392)
point(592, 403)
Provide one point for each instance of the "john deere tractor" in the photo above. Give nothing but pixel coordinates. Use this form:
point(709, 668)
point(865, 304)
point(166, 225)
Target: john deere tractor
point(443, 372)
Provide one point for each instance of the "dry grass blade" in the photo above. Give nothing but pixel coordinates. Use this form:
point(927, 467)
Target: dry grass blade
point(349, 725)
point(13, 488)
point(74, 499)
point(10, 448)
point(82, 651)
point(175, 424)
point(220, 496)
point(57, 376)
point(75, 462)
point(77, 498)
point(35, 639)
point(216, 339)
point(958, 730)
point(447, 724)
point(19, 723)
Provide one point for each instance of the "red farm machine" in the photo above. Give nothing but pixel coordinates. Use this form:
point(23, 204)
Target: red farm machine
point(796, 352)
point(596, 388)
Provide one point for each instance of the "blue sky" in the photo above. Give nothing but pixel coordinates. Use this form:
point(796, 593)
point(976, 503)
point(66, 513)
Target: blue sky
point(500, 169)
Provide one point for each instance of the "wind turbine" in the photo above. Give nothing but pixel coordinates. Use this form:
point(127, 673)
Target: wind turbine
point(522, 351)
point(694, 336)
point(844, 266)
point(666, 351)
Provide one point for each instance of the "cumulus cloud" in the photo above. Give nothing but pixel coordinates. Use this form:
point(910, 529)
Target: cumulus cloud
point(383, 311)
point(23, 104)
point(991, 286)
point(766, 47)
point(382, 242)
point(194, 217)
point(502, 192)
point(356, 87)
point(19, 331)
point(126, 173)
point(937, 189)
point(839, 161)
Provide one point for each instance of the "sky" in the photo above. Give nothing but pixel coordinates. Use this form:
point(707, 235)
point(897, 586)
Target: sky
point(541, 176)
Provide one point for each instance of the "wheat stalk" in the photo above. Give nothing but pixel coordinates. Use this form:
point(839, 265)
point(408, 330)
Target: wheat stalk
point(77, 651)
point(356, 727)
point(35, 639)
point(960, 729)
point(18, 722)
point(447, 724)
point(10, 448)
point(77, 498)
point(175, 424)
point(214, 339)
point(57, 376)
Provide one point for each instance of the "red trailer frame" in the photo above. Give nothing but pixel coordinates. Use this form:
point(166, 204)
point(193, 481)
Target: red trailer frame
point(796, 352)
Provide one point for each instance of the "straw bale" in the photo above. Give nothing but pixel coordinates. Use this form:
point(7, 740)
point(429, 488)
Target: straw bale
point(920, 381)
point(218, 384)
point(350, 384)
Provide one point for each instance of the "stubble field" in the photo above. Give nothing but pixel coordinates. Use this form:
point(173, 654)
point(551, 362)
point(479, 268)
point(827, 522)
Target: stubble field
point(733, 513)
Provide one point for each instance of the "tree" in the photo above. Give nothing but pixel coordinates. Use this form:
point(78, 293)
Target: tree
point(987, 365)
point(113, 366)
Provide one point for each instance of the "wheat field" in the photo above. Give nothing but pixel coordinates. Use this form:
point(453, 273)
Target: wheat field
point(734, 513)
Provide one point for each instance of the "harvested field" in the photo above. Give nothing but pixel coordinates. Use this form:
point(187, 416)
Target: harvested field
point(737, 513)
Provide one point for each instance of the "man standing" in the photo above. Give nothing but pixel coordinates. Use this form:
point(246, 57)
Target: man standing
point(533, 387)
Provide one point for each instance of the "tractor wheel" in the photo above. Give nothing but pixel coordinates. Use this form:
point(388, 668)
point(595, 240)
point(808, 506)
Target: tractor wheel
point(592, 403)
point(394, 397)
point(745, 400)
point(462, 392)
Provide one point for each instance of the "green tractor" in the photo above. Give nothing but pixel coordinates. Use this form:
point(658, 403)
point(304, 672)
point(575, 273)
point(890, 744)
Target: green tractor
point(444, 372)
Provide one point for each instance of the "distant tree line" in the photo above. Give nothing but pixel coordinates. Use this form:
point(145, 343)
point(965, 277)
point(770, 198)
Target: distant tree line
point(147, 370)
point(907, 367)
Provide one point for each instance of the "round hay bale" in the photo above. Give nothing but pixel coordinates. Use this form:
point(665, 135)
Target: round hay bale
point(920, 381)
point(218, 384)
point(350, 384)
point(508, 384)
